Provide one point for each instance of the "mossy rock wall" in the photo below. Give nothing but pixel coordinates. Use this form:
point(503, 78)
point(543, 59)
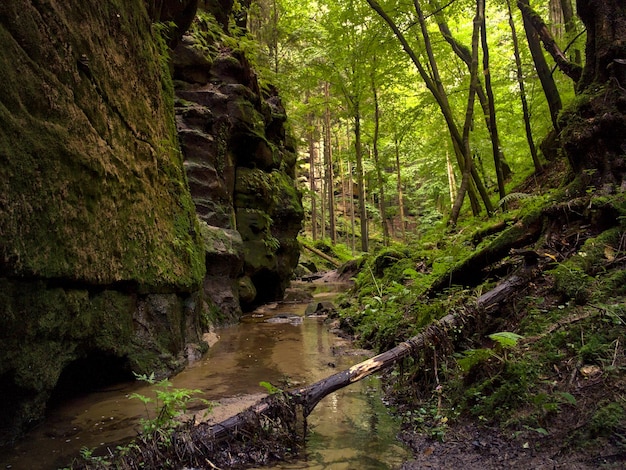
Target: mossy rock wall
point(100, 248)
point(240, 162)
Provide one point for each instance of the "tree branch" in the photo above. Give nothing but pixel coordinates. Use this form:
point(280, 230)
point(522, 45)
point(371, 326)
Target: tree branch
point(572, 70)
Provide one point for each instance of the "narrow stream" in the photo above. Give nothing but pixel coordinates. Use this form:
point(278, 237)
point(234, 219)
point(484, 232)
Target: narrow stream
point(350, 429)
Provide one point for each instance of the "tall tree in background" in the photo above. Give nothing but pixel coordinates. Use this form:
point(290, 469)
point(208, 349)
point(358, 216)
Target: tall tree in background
point(541, 66)
point(571, 30)
point(522, 89)
point(314, 44)
point(485, 96)
point(478, 21)
point(493, 127)
point(432, 79)
point(376, 154)
point(328, 162)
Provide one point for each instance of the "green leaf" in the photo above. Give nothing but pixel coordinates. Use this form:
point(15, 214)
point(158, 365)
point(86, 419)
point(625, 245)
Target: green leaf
point(144, 399)
point(271, 389)
point(567, 398)
point(471, 357)
point(506, 339)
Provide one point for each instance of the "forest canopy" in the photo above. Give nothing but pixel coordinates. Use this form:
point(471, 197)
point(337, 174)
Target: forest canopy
point(415, 111)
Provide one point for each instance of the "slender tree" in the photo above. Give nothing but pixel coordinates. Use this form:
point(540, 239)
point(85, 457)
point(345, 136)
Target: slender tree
point(541, 66)
point(434, 83)
point(495, 139)
point(377, 163)
point(358, 152)
point(399, 186)
point(571, 29)
point(328, 161)
point(464, 53)
point(478, 21)
point(522, 90)
point(312, 144)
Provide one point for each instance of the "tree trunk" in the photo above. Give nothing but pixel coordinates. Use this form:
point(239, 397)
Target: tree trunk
point(522, 90)
point(328, 160)
point(541, 66)
point(570, 29)
point(451, 179)
point(378, 165)
point(322, 173)
point(360, 177)
point(469, 115)
point(399, 188)
point(605, 51)
point(495, 139)
point(342, 204)
point(490, 122)
point(312, 184)
point(570, 69)
point(434, 85)
point(594, 132)
point(352, 214)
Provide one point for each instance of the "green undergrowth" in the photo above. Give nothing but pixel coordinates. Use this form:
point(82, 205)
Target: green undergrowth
point(550, 364)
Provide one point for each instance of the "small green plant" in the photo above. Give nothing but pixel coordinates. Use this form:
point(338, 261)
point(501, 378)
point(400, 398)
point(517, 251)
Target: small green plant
point(271, 389)
point(610, 418)
point(87, 455)
point(505, 341)
point(168, 403)
point(428, 419)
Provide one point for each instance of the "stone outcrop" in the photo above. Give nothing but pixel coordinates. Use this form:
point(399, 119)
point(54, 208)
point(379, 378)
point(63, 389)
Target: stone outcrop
point(105, 267)
point(101, 256)
point(240, 164)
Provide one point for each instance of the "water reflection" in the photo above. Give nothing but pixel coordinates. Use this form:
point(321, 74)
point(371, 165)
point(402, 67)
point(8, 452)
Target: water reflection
point(349, 429)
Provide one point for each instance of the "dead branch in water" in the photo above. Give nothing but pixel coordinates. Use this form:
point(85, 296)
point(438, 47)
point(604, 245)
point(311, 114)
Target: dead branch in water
point(308, 397)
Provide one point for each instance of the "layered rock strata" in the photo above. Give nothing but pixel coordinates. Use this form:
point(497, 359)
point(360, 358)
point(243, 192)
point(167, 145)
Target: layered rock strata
point(240, 164)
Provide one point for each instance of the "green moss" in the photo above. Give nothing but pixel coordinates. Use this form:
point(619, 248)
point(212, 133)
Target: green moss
point(572, 283)
point(497, 396)
point(91, 167)
point(285, 196)
point(253, 189)
point(220, 241)
point(608, 419)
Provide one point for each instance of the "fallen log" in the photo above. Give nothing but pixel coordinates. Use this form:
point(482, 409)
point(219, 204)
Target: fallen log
point(470, 272)
point(311, 395)
point(275, 427)
point(323, 255)
point(308, 397)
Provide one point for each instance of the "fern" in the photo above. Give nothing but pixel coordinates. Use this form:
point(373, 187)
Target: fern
point(513, 197)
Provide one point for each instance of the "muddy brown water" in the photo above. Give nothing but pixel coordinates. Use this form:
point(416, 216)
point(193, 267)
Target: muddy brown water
point(349, 429)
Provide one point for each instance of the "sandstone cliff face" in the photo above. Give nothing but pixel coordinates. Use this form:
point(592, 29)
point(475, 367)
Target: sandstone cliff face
point(240, 164)
point(104, 266)
point(101, 255)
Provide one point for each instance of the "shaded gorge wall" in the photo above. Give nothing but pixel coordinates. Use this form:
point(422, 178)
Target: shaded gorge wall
point(103, 261)
point(240, 162)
